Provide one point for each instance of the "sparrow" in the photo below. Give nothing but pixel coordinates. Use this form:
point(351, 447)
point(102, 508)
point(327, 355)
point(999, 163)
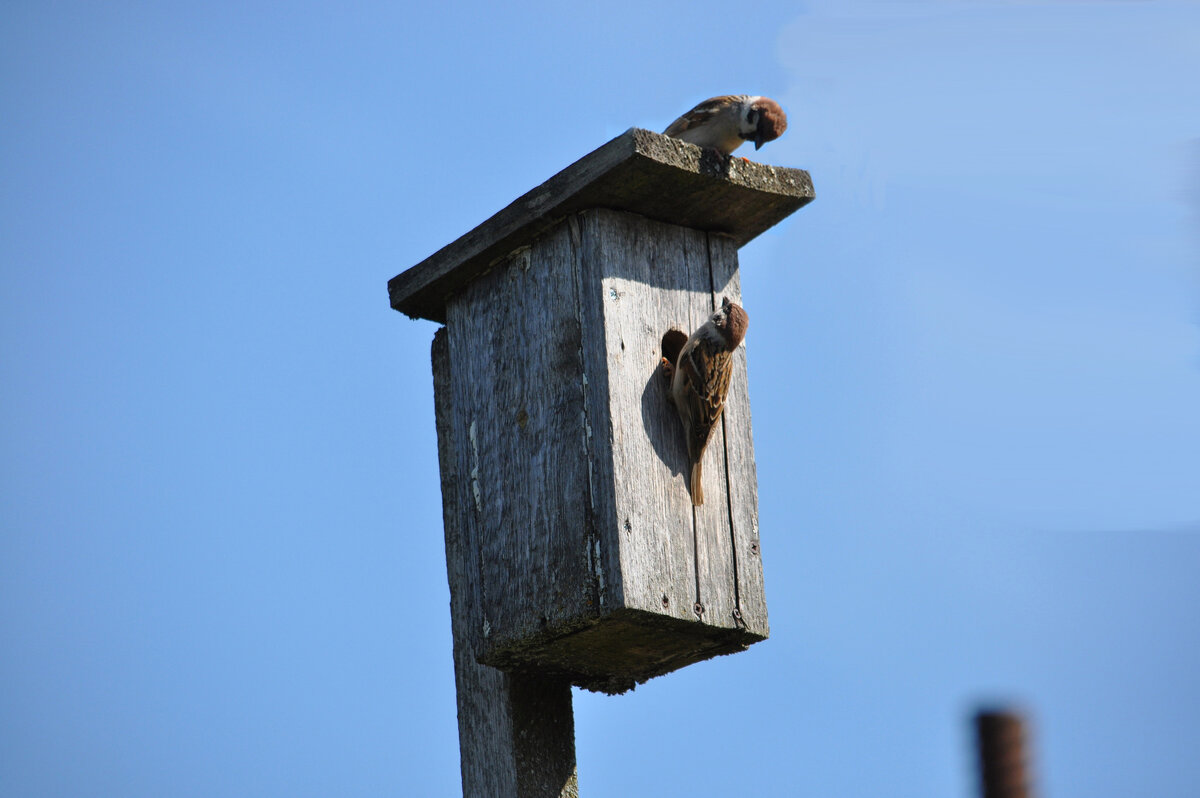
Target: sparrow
point(723, 123)
point(700, 382)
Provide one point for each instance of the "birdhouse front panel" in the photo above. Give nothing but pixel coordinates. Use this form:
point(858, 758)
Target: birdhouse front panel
point(696, 563)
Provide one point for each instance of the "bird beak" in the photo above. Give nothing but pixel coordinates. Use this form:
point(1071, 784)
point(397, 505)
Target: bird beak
point(758, 142)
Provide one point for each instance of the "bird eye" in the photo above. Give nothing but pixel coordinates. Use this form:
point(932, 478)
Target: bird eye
point(752, 117)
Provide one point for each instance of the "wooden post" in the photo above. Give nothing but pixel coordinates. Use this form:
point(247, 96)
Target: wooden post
point(573, 551)
point(1001, 740)
point(516, 731)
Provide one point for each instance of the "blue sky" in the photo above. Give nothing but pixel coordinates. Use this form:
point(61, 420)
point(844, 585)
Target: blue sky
point(974, 368)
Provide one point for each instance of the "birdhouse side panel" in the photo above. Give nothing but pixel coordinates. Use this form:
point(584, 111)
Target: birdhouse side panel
point(522, 446)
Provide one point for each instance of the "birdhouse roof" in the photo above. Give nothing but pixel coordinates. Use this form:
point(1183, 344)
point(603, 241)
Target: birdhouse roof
point(640, 172)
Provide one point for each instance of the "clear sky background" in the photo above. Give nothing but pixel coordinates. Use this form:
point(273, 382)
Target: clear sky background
point(974, 367)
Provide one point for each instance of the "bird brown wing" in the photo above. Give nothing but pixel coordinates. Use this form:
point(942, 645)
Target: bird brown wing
point(700, 114)
point(712, 385)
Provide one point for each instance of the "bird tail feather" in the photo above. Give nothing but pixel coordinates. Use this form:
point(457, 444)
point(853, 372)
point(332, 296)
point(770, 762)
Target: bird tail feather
point(697, 489)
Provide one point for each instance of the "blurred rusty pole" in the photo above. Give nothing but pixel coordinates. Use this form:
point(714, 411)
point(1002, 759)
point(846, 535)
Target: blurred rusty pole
point(1002, 761)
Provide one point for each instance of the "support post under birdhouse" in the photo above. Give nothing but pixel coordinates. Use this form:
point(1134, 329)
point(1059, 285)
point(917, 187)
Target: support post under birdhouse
point(574, 553)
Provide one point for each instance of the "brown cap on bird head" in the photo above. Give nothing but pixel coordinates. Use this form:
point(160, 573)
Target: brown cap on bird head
point(772, 121)
point(736, 322)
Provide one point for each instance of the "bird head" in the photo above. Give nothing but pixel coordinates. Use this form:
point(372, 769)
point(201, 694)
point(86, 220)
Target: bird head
point(762, 121)
point(732, 321)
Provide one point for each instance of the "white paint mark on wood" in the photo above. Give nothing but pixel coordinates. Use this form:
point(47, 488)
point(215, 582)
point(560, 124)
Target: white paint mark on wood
point(597, 565)
point(475, 467)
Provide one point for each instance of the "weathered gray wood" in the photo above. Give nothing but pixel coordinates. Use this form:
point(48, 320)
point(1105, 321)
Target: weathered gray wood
point(543, 734)
point(575, 462)
point(640, 276)
point(516, 733)
point(675, 559)
point(639, 171)
point(714, 537)
point(515, 345)
point(739, 452)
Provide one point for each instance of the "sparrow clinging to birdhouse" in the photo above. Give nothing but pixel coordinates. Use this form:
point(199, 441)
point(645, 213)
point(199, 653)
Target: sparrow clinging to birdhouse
point(700, 382)
point(723, 123)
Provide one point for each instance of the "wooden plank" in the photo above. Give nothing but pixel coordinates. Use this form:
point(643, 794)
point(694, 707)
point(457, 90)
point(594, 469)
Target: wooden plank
point(519, 395)
point(675, 559)
point(639, 171)
point(717, 577)
point(483, 710)
point(516, 732)
point(739, 452)
point(603, 523)
point(543, 731)
point(638, 276)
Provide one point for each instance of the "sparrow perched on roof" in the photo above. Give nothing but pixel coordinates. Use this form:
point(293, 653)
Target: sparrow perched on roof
point(723, 123)
point(700, 381)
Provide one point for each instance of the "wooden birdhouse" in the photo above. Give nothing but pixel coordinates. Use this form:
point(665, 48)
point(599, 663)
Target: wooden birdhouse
point(574, 548)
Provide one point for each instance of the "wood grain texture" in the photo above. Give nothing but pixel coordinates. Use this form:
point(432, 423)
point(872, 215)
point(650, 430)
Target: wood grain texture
point(516, 731)
point(593, 565)
point(515, 346)
point(647, 277)
point(739, 452)
point(639, 171)
point(637, 275)
point(714, 538)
